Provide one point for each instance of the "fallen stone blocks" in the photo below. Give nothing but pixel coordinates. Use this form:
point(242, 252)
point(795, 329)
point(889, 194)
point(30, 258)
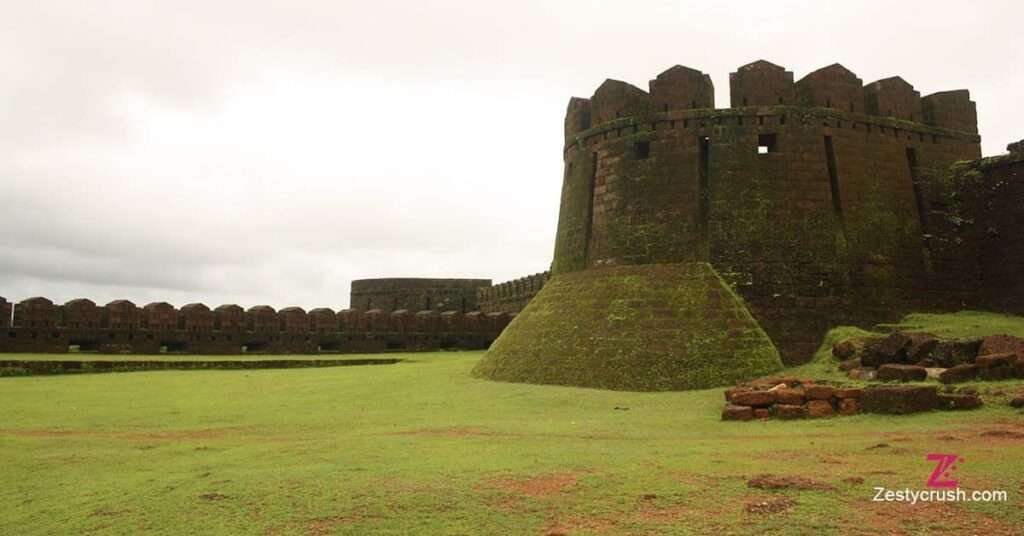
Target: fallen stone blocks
point(787, 399)
point(806, 399)
point(912, 357)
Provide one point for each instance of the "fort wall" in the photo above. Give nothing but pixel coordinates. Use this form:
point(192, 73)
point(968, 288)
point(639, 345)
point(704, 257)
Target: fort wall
point(37, 325)
point(823, 213)
point(511, 296)
point(416, 294)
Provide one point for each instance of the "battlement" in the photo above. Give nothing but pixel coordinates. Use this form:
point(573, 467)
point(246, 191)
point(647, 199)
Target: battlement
point(762, 83)
point(416, 294)
point(511, 296)
point(38, 325)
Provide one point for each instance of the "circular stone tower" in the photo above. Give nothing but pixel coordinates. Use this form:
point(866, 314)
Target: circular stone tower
point(684, 229)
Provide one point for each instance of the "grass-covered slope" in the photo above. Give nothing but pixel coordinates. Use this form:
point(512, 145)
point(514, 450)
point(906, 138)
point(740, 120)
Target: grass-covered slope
point(655, 327)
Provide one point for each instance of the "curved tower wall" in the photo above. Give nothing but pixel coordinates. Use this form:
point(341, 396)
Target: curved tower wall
point(831, 224)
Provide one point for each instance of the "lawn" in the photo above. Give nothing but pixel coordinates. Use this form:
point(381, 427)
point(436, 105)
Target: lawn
point(421, 447)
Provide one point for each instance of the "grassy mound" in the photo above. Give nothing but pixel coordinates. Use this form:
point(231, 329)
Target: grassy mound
point(656, 327)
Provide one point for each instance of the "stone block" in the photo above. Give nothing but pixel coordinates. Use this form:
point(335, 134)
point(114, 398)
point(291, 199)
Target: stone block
point(1001, 344)
point(900, 400)
point(791, 397)
point(737, 413)
point(959, 373)
point(848, 406)
point(996, 360)
point(951, 401)
point(819, 408)
point(753, 398)
point(818, 392)
point(953, 353)
point(762, 413)
point(789, 412)
point(901, 373)
point(995, 374)
point(848, 392)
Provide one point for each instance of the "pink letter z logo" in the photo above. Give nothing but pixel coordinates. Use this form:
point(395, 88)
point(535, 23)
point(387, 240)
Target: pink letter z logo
point(940, 476)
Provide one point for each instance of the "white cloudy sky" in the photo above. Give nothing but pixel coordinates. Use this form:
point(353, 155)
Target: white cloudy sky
point(271, 151)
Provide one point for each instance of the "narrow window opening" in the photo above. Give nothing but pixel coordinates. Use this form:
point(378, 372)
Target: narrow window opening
point(760, 120)
point(665, 107)
point(641, 150)
point(765, 143)
point(782, 119)
point(935, 138)
point(833, 176)
point(693, 104)
point(828, 102)
point(703, 174)
point(781, 101)
point(744, 101)
point(915, 181)
point(739, 120)
point(851, 106)
point(589, 230)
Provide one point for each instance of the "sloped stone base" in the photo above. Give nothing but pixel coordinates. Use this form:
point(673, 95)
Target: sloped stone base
point(659, 327)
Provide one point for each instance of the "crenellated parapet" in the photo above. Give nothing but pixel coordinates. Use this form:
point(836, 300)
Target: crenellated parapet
point(952, 110)
point(833, 86)
point(764, 84)
point(761, 83)
point(511, 296)
point(38, 325)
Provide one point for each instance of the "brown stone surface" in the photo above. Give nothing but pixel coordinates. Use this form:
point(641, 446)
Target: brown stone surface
point(901, 373)
point(762, 413)
point(899, 400)
point(818, 392)
point(996, 360)
point(416, 294)
point(844, 350)
point(959, 373)
point(848, 406)
point(753, 398)
point(737, 413)
point(848, 392)
point(791, 397)
point(819, 408)
point(955, 352)
point(951, 401)
point(788, 412)
point(996, 373)
point(1002, 344)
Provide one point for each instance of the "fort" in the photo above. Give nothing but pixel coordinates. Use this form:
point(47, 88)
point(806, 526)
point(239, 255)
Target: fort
point(695, 245)
point(819, 202)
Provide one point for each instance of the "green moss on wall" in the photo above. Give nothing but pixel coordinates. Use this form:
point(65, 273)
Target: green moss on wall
point(654, 327)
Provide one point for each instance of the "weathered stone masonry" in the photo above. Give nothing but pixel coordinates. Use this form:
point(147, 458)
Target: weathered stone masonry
point(821, 201)
point(38, 325)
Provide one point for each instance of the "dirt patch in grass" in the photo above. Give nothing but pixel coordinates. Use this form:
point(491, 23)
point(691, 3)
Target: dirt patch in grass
point(454, 431)
point(472, 431)
point(905, 519)
point(777, 482)
point(771, 505)
point(536, 486)
point(568, 525)
point(169, 435)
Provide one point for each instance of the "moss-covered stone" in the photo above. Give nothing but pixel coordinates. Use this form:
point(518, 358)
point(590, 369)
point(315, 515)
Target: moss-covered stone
point(657, 327)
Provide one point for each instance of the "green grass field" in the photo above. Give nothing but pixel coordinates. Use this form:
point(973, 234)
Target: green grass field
point(421, 447)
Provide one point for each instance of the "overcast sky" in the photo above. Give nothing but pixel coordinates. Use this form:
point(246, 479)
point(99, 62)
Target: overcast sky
point(272, 151)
